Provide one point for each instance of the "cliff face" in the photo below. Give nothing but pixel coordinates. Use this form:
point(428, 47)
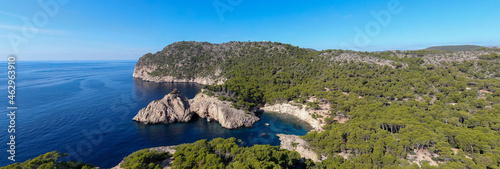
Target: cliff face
point(177, 108)
point(214, 109)
point(174, 107)
point(144, 73)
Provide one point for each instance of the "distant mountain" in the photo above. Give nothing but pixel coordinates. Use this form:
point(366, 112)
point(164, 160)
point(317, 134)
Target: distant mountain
point(311, 49)
point(454, 48)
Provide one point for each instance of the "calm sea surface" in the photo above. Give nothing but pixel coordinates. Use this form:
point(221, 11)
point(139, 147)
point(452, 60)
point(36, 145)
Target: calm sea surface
point(85, 109)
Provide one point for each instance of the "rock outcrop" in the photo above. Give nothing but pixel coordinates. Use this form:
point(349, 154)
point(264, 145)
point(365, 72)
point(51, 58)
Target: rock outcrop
point(174, 107)
point(295, 143)
point(221, 111)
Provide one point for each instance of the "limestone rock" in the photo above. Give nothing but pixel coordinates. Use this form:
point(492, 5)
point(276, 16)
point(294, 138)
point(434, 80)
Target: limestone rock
point(214, 109)
point(174, 107)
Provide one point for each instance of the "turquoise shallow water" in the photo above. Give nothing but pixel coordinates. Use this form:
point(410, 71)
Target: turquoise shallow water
point(86, 108)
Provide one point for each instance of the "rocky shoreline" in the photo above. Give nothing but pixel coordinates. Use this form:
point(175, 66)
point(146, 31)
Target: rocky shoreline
point(300, 113)
point(143, 73)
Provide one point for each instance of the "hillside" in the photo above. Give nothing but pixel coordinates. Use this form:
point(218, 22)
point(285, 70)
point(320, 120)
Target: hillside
point(405, 108)
point(208, 63)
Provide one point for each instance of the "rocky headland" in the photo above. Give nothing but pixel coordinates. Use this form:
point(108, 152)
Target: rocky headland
point(175, 107)
point(212, 108)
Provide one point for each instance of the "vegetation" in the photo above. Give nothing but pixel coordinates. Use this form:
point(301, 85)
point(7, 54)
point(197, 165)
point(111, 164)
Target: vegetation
point(48, 160)
point(491, 56)
point(226, 153)
point(144, 159)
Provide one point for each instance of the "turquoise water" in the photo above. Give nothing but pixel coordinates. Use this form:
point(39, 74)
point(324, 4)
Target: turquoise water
point(86, 108)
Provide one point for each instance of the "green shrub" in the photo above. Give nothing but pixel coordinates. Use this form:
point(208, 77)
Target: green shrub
point(144, 159)
point(48, 160)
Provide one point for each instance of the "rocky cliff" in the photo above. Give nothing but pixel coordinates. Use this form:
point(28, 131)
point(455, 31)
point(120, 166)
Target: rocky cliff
point(175, 107)
point(221, 111)
point(143, 73)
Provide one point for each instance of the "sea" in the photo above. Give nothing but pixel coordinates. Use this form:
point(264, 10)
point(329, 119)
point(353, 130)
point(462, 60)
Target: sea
point(85, 109)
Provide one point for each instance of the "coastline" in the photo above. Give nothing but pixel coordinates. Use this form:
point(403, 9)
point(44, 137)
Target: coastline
point(283, 108)
point(286, 141)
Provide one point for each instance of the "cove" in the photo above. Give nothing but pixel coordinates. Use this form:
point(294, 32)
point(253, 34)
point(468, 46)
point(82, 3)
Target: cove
point(62, 104)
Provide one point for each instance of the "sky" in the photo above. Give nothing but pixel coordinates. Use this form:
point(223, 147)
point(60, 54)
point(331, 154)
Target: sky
point(127, 29)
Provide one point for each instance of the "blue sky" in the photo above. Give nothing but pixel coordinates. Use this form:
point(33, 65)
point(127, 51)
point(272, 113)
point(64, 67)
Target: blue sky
point(127, 29)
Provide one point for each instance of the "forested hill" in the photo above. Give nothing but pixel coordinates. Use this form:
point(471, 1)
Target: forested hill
point(405, 108)
point(190, 60)
point(455, 48)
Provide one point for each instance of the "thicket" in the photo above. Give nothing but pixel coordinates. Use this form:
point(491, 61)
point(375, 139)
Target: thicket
point(144, 159)
point(226, 153)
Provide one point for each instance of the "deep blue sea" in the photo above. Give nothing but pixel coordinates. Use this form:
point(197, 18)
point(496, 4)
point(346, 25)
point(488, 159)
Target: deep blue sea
point(85, 109)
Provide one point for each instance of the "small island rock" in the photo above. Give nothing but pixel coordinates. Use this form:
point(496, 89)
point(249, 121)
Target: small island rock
point(174, 107)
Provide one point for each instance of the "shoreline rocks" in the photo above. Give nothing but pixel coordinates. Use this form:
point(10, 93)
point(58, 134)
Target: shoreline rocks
point(175, 107)
point(142, 73)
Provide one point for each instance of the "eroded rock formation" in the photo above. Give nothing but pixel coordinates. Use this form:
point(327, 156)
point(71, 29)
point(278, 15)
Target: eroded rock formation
point(175, 107)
